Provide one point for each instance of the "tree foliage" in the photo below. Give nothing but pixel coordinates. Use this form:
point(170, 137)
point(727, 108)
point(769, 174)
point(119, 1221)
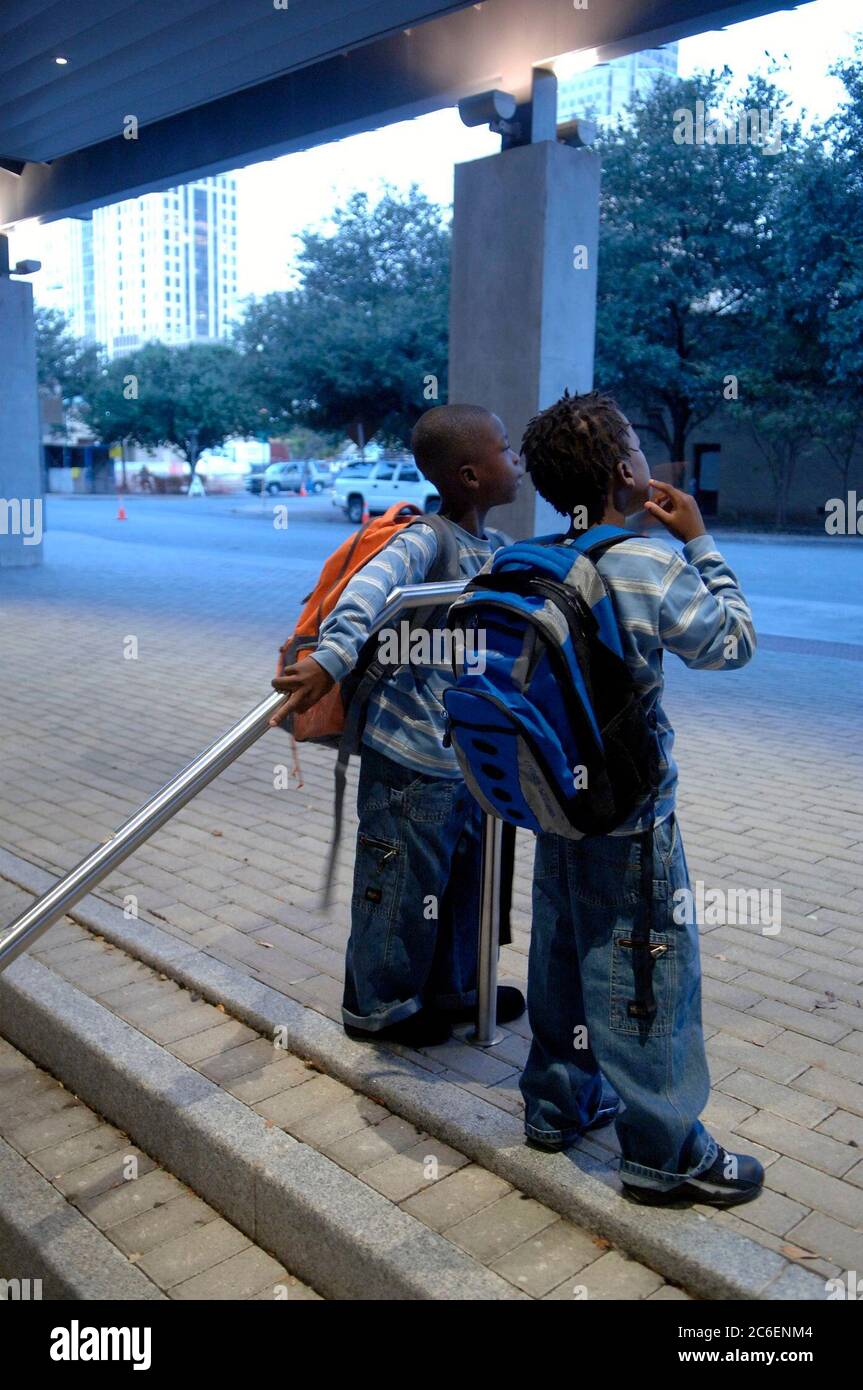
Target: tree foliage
point(364, 337)
point(65, 365)
point(190, 398)
point(682, 254)
point(730, 275)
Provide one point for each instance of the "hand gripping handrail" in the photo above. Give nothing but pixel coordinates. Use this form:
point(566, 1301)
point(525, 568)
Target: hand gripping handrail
point(75, 885)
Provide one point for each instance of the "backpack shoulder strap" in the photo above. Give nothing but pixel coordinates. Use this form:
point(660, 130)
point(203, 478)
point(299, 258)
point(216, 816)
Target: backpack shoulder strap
point(446, 564)
point(603, 539)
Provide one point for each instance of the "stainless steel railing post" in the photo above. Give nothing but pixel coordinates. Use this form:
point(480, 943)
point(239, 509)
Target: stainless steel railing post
point(486, 1033)
point(75, 885)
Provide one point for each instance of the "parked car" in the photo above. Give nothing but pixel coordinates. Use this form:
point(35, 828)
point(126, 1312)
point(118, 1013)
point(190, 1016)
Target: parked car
point(283, 477)
point(319, 475)
point(289, 476)
point(377, 486)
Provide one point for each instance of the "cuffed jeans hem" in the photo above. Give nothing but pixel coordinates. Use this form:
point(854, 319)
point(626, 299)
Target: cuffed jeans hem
point(637, 1175)
point(554, 1138)
point(374, 1023)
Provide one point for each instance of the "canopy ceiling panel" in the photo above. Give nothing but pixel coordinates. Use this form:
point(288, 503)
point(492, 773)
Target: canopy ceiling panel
point(214, 84)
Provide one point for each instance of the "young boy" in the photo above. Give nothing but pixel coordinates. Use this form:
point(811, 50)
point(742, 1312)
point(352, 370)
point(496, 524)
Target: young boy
point(410, 971)
point(585, 459)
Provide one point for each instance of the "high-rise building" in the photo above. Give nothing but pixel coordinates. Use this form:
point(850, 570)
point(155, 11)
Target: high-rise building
point(605, 91)
point(65, 281)
point(163, 266)
point(166, 265)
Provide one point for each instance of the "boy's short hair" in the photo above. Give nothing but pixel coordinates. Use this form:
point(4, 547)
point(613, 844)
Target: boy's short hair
point(445, 438)
point(572, 449)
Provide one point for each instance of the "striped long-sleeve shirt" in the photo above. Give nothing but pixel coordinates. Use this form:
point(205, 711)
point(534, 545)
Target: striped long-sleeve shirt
point(690, 604)
point(406, 718)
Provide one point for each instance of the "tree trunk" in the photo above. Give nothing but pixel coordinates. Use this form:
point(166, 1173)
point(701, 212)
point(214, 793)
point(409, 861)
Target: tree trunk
point(680, 417)
point(786, 460)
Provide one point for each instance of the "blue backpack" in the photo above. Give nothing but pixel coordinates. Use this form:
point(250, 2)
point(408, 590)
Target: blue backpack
point(548, 727)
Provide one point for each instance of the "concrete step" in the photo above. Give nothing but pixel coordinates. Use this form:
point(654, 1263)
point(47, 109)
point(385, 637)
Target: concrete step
point(352, 1198)
point(89, 1216)
point(333, 1230)
point(697, 1250)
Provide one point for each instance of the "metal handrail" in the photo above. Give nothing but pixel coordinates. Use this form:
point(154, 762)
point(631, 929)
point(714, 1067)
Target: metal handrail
point(69, 890)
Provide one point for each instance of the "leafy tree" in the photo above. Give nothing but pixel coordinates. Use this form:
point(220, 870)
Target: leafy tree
point(65, 365)
point(845, 135)
point(365, 336)
point(683, 243)
point(312, 444)
point(781, 418)
point(839, 431)
point(191, 398)
point(802, 383)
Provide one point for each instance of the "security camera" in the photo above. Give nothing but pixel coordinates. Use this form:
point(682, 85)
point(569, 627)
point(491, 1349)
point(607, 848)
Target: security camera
point(578, 133)
point(26, 267)
point(494, 109)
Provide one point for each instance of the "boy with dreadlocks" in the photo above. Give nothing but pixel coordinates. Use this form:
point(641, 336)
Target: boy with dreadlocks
point(585, 459)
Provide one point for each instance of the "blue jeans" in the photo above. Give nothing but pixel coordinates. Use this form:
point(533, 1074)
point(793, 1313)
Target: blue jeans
point(586, 901)
point(415, 905)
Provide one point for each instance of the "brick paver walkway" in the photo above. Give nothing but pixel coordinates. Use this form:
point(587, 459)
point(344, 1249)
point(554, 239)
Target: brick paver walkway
point(771, 772)
point(182, 1244)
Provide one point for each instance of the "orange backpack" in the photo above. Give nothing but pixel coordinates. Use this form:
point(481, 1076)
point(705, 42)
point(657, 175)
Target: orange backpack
point(338, 718)
point(325, 721)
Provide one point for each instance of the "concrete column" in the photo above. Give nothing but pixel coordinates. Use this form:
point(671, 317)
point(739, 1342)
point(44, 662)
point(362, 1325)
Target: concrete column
point(21, 508)
point(523, 300)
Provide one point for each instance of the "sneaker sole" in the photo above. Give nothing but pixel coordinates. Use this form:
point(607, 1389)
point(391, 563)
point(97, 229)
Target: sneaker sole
point(688, 1194)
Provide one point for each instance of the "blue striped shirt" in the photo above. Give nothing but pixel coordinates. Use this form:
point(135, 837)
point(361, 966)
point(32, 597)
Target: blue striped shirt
point(688, 603)
point(405, 719)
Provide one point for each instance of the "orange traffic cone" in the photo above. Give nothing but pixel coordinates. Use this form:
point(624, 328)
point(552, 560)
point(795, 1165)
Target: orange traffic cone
point(302, 492)
point(366, 514)
point(121, 513)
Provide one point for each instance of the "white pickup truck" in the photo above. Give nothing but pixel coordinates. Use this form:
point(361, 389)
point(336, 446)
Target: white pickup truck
point(377, 486)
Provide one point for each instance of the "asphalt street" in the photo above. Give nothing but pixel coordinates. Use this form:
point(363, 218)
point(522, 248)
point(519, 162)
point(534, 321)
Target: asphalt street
point(229, 556)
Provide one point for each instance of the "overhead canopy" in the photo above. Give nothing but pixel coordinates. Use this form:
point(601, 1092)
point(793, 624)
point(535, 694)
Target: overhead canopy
point(213, 85)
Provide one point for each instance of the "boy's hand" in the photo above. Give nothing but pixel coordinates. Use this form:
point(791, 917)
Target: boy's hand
point(678, 511)
point(304, 683)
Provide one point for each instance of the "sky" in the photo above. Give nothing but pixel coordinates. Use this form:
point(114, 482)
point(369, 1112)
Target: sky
point(279, 198)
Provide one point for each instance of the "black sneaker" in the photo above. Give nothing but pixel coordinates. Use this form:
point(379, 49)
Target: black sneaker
point(510, 1005)
point(730, 1180)
point(422, 1029)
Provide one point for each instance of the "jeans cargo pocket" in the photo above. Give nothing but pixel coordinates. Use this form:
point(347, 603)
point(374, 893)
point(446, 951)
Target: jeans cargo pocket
point(430, 800)
point(377, 873)
point(622, 1019)
point(604, 870)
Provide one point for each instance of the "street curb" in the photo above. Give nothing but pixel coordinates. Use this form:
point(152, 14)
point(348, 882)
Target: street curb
point(42, 1236)
point(326, 1226)
point(705, 1258)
